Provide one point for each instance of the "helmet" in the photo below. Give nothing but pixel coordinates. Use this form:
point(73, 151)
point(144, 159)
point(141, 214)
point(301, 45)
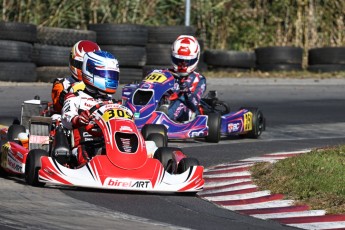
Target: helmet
point(101, 72)
point(185, 53)
point(77, 54)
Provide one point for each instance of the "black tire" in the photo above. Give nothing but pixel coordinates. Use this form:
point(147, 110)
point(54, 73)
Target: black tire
point(186, 163)
point(15, 51)
point(16, 31)
point(18, 71)
point(158, 54)
point(259, 123)
point(63, 36)
point(50, 73)
point(280, 67)
point(168, 34)
point(213, 123)
point(159, 139)
point(3, 173)
point(148, 129)
point(326, 55)
point(14, 130)
point(120, 34)
point(326, 68)
point(128, 56)
point(279, 55)
point(165, 156)
point(33, 165)
point(230, 58)
point(50, 55)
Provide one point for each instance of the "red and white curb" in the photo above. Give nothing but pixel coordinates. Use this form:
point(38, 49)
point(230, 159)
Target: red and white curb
point(230, 186)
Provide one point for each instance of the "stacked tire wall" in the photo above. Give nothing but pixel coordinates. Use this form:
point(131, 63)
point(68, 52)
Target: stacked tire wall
point(52, 49)
point(16, 45)
point(326, 59)
point(127, 42)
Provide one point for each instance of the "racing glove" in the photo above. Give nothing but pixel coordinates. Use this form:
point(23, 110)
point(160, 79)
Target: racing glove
point(82, 119)
point(184, 87)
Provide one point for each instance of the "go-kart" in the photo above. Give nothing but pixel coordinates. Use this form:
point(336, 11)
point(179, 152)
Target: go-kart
point(124, 160)
point(149, 99)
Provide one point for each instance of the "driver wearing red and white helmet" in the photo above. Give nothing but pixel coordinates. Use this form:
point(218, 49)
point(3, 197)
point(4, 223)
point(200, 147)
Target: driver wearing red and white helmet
point(73, 83)
point(100, 73)
point(191, 85)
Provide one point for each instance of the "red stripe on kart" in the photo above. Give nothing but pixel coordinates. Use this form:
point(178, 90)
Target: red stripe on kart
point(251, 200)
point(275, 210)
point(236, 192)
point(196, 181)
point(309, 219)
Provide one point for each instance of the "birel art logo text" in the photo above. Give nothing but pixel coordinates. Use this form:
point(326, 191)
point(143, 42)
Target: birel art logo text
point(112, 182)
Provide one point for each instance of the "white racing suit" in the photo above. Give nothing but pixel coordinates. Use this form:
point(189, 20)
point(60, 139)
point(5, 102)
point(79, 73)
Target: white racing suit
point(74, 104)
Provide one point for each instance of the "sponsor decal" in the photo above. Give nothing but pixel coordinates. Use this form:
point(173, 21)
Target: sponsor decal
point(234, 127)
point(121, 183)
point(136, 115)
point(126, 128)
point(196, 134)
point(14, 165)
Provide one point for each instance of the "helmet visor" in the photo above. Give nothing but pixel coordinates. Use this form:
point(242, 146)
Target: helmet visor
point(183, 62)
point(105, 80)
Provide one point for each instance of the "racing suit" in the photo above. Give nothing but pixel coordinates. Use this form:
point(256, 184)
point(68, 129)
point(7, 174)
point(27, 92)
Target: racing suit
point(74, 105)
point(188, 91)
point(62, 86)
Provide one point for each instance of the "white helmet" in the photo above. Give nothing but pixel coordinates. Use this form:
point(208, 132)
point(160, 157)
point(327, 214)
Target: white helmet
point(185, 53)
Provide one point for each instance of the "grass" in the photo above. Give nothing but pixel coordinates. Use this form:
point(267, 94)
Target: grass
point(275, 74)
point(316, 178)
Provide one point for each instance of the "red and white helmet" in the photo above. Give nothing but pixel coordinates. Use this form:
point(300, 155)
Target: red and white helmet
point(185, 53)
point(77, 54)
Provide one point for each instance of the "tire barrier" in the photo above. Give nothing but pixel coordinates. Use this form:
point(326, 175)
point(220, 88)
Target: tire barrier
point(140, 48)
point(326, 59)
point(277, 58)
point(127, 43)
point(229, 60)
point(16, 45)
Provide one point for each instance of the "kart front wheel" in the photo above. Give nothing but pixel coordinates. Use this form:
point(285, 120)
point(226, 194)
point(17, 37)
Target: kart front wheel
point(148, 129)
point(213, 123)
point(33, 165)
point(165, 156)
point(158, 138)
point(186, 163)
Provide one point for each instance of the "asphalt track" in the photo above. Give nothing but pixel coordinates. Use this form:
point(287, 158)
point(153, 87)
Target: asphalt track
point(300, 115)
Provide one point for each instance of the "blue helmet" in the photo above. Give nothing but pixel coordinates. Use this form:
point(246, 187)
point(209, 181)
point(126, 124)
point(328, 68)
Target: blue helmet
point(101, 71)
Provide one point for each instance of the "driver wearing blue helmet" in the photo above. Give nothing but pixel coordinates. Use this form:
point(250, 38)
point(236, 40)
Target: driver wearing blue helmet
point(100, 73)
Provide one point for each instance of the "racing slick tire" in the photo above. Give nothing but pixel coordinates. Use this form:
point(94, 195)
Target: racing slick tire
point(186, 163)
point(259, 123)
point(165, 156)
point(147, 129)
point(14, 130)
point(33, 165)
point(158, 138)
point(213, 123)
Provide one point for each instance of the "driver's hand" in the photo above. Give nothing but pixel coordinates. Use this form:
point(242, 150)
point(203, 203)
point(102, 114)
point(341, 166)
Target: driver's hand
point(184, 87)
point(82, 119)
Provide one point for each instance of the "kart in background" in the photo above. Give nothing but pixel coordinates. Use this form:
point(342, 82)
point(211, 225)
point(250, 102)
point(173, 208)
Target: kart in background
point(150, 99)
point(125, 160)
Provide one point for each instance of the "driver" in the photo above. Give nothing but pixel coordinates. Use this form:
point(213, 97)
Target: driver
point(100, 73)
point(73, 83)
point(190, 85)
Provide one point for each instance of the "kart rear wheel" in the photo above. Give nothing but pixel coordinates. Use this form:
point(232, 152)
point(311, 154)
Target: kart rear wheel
point(165, 156)
point(33, 165)
point(14, 130)
point(158, 138)
point(155, 128)
point(258, 125)
point(186, 163)
point(213, 124)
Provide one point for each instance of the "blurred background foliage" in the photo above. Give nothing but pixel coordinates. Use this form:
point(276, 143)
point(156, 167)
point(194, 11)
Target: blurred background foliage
point(222, 24)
